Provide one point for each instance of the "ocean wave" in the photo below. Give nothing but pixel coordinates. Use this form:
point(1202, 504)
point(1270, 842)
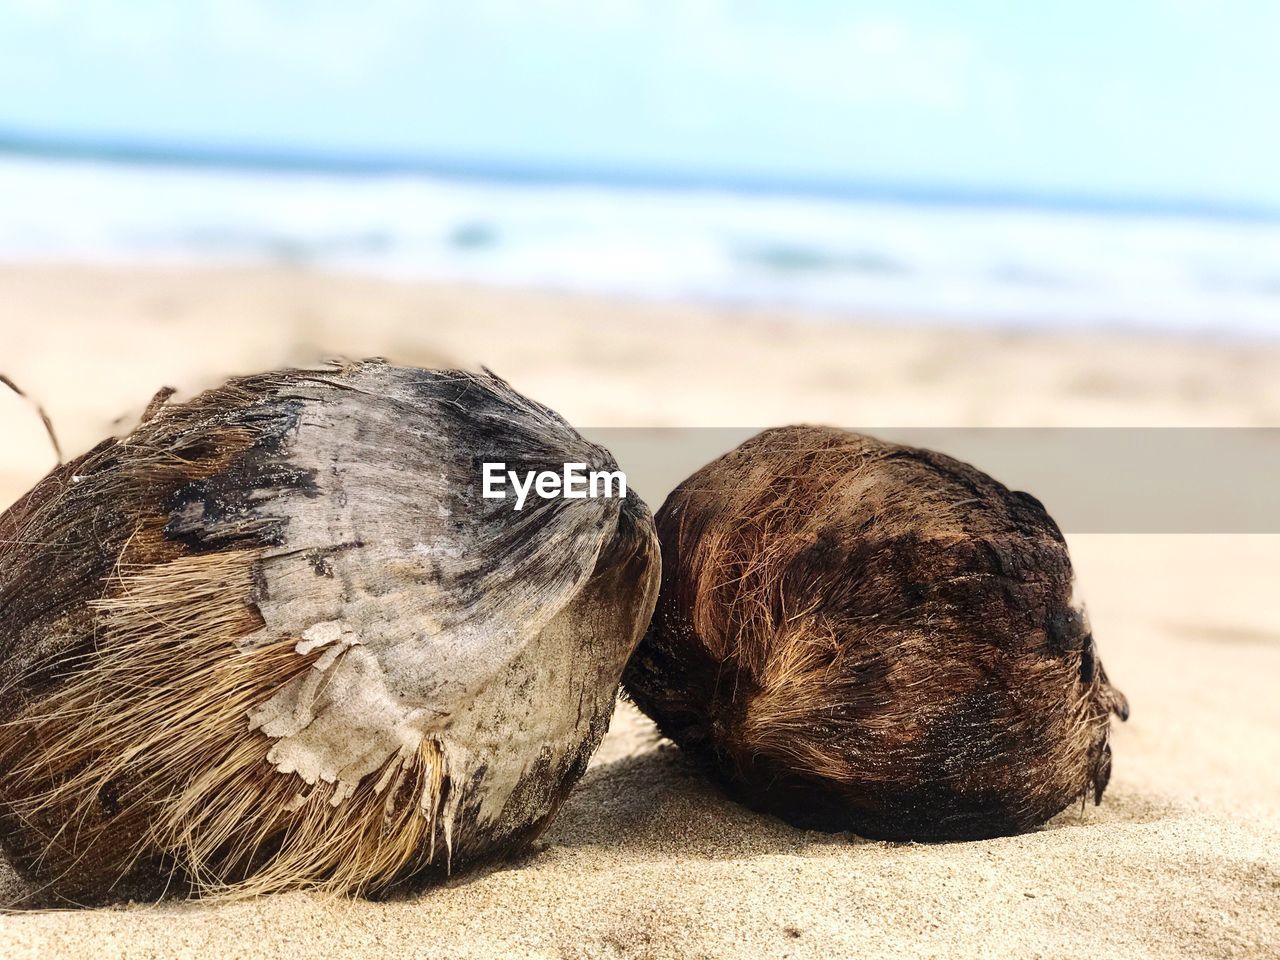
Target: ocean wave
point(858, 256)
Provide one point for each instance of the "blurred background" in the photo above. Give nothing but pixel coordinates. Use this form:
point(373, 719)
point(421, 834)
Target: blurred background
point(1088, 163)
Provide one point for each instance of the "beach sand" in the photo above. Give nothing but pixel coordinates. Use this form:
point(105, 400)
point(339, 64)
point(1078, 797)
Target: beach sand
point(646, 860)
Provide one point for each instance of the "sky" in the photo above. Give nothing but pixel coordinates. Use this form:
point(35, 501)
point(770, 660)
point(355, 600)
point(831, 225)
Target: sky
point(1167, 99)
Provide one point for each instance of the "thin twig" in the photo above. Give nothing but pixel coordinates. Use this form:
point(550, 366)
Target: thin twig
point(44, 417)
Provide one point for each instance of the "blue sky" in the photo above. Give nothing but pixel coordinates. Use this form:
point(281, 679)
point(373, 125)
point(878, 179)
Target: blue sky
point(1165, 98)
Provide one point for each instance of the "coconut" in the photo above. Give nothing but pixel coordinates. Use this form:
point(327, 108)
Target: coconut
point(277, 638)
point(857, 635)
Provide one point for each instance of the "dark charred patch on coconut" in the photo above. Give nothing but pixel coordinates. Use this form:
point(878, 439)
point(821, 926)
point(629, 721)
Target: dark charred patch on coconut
point(223, 509)
point(320, 557)
point(156, 600)
point(855, 635)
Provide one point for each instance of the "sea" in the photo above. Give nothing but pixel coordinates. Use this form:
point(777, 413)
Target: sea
point(891, 252)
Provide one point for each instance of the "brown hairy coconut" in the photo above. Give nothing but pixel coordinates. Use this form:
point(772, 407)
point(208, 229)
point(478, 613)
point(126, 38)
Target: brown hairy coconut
point(275, 638)
point(858, 635)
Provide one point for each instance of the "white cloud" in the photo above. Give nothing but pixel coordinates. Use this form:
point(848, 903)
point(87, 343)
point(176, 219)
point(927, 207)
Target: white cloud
point(852, 58)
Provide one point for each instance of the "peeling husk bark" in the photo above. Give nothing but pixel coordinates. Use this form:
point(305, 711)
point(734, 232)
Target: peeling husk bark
point(276, 639)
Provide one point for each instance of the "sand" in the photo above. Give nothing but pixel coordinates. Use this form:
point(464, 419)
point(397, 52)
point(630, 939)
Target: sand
point(647, 860)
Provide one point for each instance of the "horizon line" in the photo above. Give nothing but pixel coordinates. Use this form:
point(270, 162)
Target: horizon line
point(126, 151)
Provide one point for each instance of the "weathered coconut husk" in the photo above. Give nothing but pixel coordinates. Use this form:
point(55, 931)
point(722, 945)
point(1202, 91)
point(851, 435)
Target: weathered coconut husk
point(275, 638)
point(856, 635)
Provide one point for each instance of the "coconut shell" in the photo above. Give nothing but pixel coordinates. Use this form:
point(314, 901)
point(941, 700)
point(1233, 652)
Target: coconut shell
point(275, 638)
point(856, 635)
